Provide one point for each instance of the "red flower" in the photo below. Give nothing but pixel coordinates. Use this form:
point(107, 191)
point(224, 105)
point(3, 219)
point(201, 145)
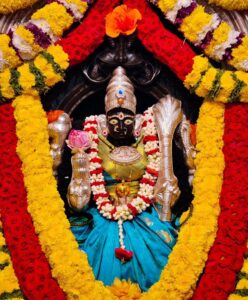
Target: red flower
point(123, 254)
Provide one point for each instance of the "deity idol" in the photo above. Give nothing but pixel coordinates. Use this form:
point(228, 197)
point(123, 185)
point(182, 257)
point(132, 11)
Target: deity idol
point(124, 186)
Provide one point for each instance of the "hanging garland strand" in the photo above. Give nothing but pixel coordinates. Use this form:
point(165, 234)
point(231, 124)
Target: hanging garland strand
point(196, 71)
point(198, 74)
point(215, 37)
point(44, 28)
point(30, 264)
point(226, 256)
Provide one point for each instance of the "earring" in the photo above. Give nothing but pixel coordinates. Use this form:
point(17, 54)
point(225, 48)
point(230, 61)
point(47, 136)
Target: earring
point(102, 125)
point(138, 125)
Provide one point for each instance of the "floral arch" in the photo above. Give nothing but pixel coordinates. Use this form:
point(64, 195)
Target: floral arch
point(39, 256)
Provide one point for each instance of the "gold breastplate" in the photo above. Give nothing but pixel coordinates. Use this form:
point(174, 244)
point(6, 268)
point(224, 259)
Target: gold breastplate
point(129, 172)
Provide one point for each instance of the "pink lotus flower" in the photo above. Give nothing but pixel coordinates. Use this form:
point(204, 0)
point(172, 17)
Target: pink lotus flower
point(78, 139)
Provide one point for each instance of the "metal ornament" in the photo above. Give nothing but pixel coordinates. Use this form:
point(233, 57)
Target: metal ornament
point(168, 115)
point(58, 131)
point(79, 189)
point(125, 155)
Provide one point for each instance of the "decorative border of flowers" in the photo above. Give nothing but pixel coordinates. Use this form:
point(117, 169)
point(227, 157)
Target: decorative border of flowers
point(29, 262)
point(45, 27)
point(216, 38)
point(227, 253)
point(10, 6)
point(9, 286)
point(28, 108)
point(196, 71)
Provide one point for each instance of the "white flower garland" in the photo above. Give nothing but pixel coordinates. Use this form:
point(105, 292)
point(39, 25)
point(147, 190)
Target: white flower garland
point(146, 188)
point(145, 194)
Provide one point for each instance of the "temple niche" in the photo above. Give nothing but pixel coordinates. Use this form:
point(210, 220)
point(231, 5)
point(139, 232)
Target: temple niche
point(126, 169)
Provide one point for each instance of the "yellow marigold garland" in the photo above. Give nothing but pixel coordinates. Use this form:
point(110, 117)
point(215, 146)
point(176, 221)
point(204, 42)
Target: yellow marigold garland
point(34, 77)
point(179, 278)
point(56, 16)
point(231, 4)
point(198, 19)
point(8, 281)
point(55, 19)
point(216, 84)
point(10, 6)
point(69, 265)
point(198, 24)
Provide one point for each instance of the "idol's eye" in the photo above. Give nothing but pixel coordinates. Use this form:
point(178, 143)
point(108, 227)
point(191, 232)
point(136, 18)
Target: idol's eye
point(128, 122)
point(113, 121)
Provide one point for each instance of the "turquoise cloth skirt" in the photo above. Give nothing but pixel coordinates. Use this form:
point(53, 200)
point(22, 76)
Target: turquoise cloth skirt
point(150, 240)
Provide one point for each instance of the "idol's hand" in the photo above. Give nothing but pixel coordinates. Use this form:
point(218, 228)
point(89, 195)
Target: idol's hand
point(167, 194)
point(78, 194)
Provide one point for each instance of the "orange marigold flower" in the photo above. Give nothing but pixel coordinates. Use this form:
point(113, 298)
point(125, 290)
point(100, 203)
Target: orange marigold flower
point(53, 115)
point(122, 20)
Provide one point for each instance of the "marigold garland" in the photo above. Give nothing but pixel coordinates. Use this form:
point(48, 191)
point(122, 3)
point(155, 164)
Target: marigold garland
point(34, 77)
point(8, 281)
point(230, 4)
point(197, 236)
point(51, 234)
point(45, 26)
point(227, 86)
point(10, 6)
point(213, 36)
point(69, 265)
point(226, 256)
point(30, 264)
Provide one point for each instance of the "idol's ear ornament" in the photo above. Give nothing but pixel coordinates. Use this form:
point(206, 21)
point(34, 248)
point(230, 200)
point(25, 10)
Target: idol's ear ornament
point(102, 125)
point(138, 125)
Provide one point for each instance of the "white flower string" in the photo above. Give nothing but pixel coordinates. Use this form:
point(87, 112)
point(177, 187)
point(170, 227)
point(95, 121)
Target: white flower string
point(145, 195)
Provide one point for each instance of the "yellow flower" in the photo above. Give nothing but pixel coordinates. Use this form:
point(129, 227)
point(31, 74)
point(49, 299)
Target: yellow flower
point(200, 65)
point(227, 85)
point(240, 54)
point(6, 89)
point(59, 21)
point(166, 5)
point(27, 80)
point(220, 36)
point(60, 57)
point(9, 53)
point(194, 24)
point(81, 5)
point(230, 4)
point(10, 6)
point(51, 78)
point(28, 36)
point(206, 83)
point(125, 290)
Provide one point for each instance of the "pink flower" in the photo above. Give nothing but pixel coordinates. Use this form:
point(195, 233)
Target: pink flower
point(78, 139)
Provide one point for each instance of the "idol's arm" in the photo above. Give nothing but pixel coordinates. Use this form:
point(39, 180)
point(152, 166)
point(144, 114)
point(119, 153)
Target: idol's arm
point(58, 131)
point(79, 190)
point(168, 115)
point(189, 150)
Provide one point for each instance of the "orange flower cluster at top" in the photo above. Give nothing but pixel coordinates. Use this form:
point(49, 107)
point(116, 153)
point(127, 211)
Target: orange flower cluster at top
point(53, 115)
point(122, 20)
